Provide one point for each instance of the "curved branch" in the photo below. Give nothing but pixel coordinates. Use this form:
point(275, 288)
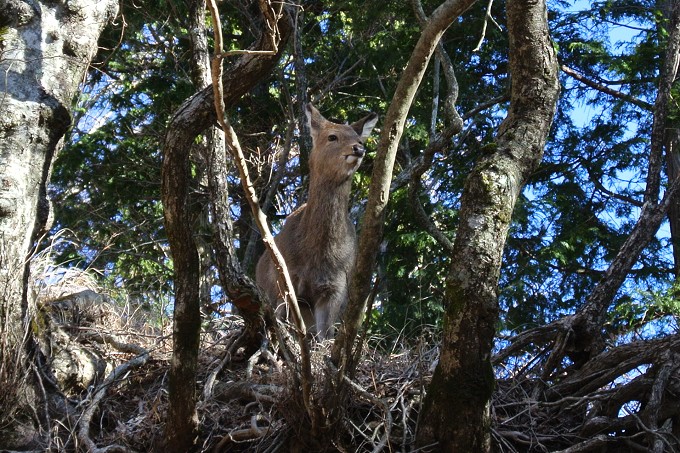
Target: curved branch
point(116, 374)
point(193, 117)
point(583, 330)
point(393, 127)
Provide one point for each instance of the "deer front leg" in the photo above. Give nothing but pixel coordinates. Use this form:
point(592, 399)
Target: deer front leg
point(327, 310)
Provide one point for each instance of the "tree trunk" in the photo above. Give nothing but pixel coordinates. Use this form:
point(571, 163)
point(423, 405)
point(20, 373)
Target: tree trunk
point(190, 120)
point(455, 413)
point(45, 48)
point(672, 133)
point(673, 171)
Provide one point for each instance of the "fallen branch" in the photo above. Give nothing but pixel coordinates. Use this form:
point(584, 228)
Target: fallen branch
point(587, 445)
point(116, 374)
point(250, 434)
point(269, 394)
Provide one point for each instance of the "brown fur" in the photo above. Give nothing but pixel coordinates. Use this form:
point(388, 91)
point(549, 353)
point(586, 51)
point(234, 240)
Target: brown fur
point(318, 240)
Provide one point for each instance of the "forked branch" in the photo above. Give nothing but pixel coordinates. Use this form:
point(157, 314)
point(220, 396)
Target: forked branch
point(234, 147)
point(393, 127)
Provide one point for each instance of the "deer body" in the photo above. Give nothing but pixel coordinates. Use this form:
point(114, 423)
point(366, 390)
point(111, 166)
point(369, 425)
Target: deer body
point(318, 241)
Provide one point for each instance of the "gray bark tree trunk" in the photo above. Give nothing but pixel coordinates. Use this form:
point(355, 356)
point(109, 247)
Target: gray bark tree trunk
point(45, 48)
point(455, 413)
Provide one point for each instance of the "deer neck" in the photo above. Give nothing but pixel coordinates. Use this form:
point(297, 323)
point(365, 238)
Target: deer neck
point(326, 211)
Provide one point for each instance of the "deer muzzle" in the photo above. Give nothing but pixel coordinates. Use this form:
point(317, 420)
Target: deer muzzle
point(358, 150)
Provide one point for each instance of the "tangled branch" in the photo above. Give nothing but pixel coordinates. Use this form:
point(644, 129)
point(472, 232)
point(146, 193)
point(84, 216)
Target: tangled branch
point(260, 218)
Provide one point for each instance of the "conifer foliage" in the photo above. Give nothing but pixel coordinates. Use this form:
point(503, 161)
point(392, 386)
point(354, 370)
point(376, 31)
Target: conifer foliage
point(517, 215)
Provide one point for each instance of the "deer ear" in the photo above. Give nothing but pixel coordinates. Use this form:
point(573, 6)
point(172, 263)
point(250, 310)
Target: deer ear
point(314, 120)
point(364, 126)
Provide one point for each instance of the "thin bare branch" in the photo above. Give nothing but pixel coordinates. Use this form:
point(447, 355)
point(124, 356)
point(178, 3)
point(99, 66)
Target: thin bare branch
point(605, 89)
point(100, 392)
point(487, 17)
point(372, 227)
point(234, 146)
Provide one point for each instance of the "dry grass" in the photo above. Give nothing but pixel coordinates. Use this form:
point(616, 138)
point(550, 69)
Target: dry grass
point(246, 404)
point(254, 406)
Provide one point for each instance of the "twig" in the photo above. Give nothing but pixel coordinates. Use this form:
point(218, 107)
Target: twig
point(378, 402)
point(232, 141)
point(435, 146)
point(487, 17)
point(598, 441)
point(249, 189)
point(120, 370)
point(231, 53)
point(485, 105)
point(262, 352)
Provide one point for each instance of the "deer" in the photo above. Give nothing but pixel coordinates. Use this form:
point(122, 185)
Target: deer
point(318, 240)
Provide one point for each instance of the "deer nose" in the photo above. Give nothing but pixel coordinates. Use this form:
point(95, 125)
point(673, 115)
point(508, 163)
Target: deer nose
point(358, 150)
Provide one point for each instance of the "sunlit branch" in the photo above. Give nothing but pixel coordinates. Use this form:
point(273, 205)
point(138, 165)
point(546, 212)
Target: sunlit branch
point(234, 146)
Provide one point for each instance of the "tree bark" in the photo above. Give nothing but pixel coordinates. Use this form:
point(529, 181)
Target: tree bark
point(672, 131)
point(455, 413)
point(44, 53)
point(661, 105)
point(190, 120)
point(673, 171)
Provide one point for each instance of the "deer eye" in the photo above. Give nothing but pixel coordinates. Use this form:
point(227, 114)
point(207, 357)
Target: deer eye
point(332, 138)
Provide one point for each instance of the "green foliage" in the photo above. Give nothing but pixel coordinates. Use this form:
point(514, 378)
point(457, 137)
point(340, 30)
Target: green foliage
point(106, 183)
point(569, 223)
point(411, 275)
point(581, 204)
point(654, 313)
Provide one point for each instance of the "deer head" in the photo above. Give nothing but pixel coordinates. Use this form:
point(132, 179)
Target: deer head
point(338, 149)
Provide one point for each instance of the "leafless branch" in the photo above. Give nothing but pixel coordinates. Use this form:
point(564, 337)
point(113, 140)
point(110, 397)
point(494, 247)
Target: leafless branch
point(487, 17)
point(260, 219)
point(100, 392)
point(378, 402)
point(605, 89)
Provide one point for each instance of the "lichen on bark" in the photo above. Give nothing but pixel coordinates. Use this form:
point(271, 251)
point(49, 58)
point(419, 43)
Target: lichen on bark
point(456, 410)
point(39, 81)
